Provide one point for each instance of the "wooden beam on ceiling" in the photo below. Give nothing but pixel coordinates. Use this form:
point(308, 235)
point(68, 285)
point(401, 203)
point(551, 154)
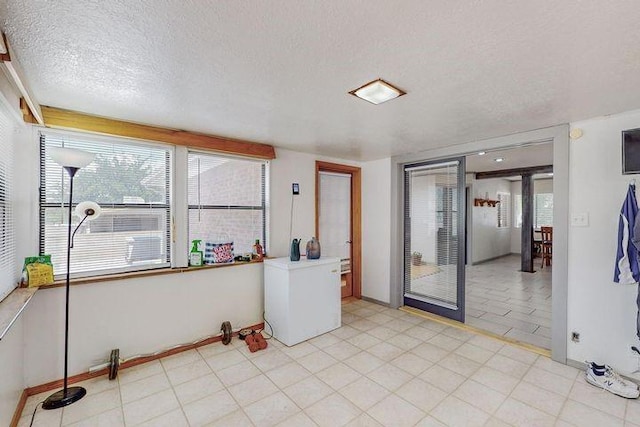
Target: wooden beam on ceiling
point(66, 119)
point(27, 116)
point(14, 72)
point(506, 173)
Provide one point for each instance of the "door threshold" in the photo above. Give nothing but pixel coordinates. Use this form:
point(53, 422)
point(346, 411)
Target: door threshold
point(454, 323)
point(349, 300)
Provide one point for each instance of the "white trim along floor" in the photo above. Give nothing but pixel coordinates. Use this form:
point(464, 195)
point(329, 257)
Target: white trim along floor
point(383, 367)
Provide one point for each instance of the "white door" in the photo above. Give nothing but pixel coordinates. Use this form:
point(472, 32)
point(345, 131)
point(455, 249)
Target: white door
point(334, 222)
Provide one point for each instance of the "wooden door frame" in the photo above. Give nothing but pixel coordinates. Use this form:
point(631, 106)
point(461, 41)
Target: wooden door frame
point(356, 217)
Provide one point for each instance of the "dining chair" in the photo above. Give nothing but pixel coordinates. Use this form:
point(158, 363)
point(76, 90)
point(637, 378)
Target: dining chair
point(547, 245)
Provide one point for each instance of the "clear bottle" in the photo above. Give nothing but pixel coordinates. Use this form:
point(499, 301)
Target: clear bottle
point(258, 251)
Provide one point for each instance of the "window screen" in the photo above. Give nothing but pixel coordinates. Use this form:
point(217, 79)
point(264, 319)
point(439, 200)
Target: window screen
point(131, 182)
point(227, 200)
point(8, 278)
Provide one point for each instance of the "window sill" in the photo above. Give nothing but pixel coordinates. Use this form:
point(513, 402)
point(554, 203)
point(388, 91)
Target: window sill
point(146, 273)
point(12, 306)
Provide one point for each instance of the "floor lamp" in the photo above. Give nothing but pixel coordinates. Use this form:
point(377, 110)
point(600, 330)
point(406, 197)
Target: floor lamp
point(72, 161)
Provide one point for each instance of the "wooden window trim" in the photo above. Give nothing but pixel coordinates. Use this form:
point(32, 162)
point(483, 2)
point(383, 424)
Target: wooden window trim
point(67, 119)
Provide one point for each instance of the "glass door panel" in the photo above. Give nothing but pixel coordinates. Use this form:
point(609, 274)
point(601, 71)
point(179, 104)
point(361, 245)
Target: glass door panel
point(434, 237)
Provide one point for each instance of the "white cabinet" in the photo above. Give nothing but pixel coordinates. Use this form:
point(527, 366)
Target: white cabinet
point(302, 298)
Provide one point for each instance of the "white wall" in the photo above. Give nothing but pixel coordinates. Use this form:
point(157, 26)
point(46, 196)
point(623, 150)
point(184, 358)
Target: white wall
point(487, 240)
point(287, 168)
point(539, 186)
point(376, 229)
point(291, 166)
point(137, 316)
point(11, 371)
point(602, 311)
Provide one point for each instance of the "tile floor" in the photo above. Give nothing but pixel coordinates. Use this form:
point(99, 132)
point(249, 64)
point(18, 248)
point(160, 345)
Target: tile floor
point(383, 367)
point(505, 301)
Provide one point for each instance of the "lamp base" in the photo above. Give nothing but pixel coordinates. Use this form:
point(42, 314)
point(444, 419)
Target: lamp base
point(60, 398)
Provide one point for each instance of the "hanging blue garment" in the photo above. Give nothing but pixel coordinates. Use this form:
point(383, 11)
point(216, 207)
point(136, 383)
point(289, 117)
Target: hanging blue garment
point(627, 271)
point(635, 238)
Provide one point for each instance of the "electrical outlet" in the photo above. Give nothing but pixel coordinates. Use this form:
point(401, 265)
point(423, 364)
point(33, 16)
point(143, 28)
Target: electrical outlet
point(580, 219)
point(575, 336)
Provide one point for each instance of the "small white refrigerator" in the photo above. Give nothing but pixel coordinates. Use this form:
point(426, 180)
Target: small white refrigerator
point(302, 298)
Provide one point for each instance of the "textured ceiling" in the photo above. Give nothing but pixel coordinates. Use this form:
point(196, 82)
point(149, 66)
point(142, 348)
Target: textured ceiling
point(279, 71)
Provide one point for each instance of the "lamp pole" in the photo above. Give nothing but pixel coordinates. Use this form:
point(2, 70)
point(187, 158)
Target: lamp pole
point(67, 395)
point(72, 161)
point(72, 172)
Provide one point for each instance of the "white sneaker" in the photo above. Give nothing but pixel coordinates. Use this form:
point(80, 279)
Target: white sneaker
point(609, 380)
point(603, 368)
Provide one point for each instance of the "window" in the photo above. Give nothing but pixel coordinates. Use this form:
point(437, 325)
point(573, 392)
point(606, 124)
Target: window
point(543, 210)
point(131, 182)
point(517, 211)
point(503, 209)
point(7, 245)
point(227, 200)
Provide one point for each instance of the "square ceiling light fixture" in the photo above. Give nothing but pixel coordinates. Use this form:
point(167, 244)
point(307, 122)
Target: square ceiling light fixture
point(377, 92)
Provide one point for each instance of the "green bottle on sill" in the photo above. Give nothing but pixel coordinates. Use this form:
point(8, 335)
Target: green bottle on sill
point(195, 256)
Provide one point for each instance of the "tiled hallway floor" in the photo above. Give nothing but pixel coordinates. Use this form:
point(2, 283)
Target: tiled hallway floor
point(505, 301)
point(383, 367)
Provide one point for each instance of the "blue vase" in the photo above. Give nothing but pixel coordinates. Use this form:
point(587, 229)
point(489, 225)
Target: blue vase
point(295, 250)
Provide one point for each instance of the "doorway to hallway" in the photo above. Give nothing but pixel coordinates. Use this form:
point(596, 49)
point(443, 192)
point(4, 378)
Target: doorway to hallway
point(507, 302)
point(508, 288)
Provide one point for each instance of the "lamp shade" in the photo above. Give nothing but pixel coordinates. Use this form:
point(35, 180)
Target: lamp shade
point(90, 210)
point(69, 157)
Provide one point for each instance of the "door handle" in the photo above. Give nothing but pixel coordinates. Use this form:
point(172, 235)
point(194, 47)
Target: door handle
point(349, 241)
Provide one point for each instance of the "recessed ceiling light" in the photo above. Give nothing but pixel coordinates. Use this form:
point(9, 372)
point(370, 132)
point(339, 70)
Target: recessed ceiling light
point(481, 153)
point(499, 159)
point(377, 92)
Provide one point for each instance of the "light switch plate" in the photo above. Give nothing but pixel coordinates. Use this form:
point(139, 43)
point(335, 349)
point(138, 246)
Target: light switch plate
point(580, 219)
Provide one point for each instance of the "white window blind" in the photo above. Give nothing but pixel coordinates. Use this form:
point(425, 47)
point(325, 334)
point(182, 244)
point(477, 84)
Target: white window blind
point(517, 210)
point(543, 210)
point(8, 279)
point(504, 209)
point(131, 182)
point(227, 200)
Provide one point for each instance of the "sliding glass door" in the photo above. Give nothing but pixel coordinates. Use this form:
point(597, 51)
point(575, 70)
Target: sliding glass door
point(434, 214)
